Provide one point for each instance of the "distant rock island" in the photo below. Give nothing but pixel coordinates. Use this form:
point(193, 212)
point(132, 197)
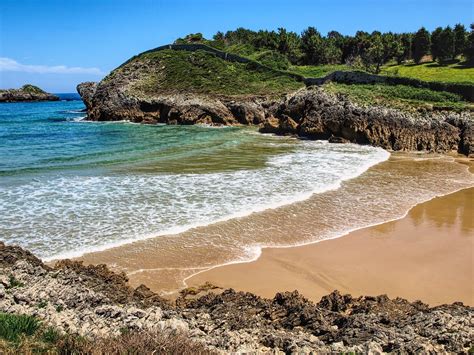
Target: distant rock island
point(27, 92)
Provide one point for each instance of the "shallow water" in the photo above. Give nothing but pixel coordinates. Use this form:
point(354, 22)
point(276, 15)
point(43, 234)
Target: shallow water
point(69, 187)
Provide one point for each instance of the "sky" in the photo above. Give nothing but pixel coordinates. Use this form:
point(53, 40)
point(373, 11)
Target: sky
point(57, 44)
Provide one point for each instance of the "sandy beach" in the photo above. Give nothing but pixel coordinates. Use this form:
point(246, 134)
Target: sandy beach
point(424, 252)
point(428, 255)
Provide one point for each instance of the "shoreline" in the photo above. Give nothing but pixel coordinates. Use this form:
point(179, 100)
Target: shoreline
point(165, 264)
point(271, 271)
point(298, 198)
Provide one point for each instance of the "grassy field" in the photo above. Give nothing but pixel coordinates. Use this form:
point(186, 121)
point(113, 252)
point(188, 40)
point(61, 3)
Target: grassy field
point(201, 72)
point(451, 73)
point(399, 96)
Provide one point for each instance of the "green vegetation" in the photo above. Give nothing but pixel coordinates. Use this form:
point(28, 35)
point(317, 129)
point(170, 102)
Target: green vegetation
point(202, 72)
point(42, 304)
point(371, 50)
point(22, 334)
point(399, 96)
point(29, 89)
point(421, 44)
point(32, 89)
point(13, 282)
point(12, 326)
point(317, 71)
point(450, 73)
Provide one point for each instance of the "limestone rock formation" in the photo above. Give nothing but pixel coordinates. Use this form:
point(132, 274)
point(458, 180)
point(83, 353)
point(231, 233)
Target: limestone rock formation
point(94, 302)
point(26, 93)
point(316, 114)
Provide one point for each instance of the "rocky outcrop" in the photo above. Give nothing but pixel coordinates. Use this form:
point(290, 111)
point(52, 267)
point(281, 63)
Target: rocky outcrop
point(26, 93)
point(108, 101)
point(95, 302)
point(86, 91)
point(316, 114)
point(311, 113)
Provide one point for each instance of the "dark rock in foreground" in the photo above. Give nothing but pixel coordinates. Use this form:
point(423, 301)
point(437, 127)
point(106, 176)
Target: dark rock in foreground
point(96, 302)
point(26, 93)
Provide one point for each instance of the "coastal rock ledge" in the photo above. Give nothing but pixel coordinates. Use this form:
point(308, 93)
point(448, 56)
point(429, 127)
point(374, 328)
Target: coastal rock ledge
point(95, 303)
point(311, 112)
point(27, 92)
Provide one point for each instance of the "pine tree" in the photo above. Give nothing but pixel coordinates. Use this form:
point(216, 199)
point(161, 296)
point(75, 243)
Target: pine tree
point(421, 44)
point(460, 39)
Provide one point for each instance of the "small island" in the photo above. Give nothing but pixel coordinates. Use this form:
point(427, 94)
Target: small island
point(26, 93)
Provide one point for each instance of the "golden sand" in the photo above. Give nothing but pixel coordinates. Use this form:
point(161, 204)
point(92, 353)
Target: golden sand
point(428, 255)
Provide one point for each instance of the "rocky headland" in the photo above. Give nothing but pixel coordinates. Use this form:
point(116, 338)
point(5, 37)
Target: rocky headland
point(26, 93)
point(145, 89)
point(97, 304)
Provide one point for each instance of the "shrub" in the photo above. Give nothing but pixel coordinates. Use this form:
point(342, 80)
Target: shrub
point(273, 60)
point(133, 343)
point(50, 335)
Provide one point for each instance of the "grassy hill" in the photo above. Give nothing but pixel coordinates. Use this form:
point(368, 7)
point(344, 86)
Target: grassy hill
point(169, 71)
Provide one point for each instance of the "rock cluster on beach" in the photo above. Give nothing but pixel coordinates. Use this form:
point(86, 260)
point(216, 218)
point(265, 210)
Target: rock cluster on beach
point(95, 302)
point(26, 93)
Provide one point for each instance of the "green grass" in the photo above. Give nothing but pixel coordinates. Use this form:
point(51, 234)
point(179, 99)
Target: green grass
point(28, 88)
point(449, 73)
point(13, 326)
point(13, 282)
point(399, 96)
point(317, 71)
point(202, 72)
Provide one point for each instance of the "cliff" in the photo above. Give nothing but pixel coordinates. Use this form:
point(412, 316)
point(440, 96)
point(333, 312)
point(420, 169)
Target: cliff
point(26, 93)
point(98, 305)
point(195, 86)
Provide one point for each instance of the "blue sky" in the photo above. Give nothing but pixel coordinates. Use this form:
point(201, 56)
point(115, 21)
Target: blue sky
point(57, 44)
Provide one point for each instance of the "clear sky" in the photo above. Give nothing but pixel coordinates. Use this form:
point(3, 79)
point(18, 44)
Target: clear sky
point(57, 44)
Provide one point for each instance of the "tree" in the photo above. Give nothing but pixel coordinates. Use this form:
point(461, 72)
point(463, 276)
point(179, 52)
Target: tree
point(374, 56)
point(469, 51)
point(446, 44)
point(289, 45)
point(313, 46)
point(239, 36)
point(421, 44)
point(460, 39)
point(332, 51)
point(194, 37)
point(219, 36)
point(266, 39)
point(404, 54)
point(436, 49)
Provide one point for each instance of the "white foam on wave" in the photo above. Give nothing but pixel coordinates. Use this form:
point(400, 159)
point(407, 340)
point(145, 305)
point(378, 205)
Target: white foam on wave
point(69, 216)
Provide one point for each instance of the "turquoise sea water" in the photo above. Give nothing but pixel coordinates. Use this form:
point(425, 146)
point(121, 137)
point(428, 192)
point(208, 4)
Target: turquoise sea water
point(68, 186)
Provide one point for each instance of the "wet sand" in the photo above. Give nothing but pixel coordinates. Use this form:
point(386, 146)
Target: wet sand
point(427, 255)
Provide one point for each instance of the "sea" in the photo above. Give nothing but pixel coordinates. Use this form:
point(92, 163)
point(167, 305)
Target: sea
point(70, 186)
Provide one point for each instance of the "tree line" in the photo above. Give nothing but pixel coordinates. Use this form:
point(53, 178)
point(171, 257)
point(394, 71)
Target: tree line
point(370, 50)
